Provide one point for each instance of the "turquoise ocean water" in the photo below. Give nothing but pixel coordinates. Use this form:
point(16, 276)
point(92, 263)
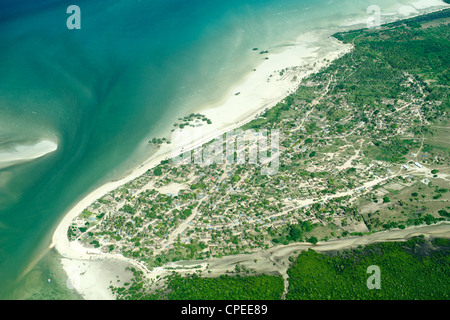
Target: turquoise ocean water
point(101, 92)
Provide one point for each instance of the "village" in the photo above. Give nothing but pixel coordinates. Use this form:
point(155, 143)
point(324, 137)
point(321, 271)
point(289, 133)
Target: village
point(335, 169)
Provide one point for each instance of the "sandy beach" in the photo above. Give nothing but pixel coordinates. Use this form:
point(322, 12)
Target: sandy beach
point(309, 54)
point(91, 272)
point(22, 153)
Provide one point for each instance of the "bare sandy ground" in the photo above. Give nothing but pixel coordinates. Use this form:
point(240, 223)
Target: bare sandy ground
point(22, 153)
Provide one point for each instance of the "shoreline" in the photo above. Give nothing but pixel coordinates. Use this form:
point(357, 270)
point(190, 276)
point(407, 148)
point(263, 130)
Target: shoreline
point(255, 92)
point(24, 152)
point(167, 152)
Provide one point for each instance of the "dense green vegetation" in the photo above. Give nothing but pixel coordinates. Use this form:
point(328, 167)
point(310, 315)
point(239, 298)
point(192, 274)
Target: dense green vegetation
point(238, 287)
point(415, 269)
point(404, 46)
point(194, 287)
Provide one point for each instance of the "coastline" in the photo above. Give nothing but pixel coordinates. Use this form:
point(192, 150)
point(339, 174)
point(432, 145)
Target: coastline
point(254, 92)
point(169, 151)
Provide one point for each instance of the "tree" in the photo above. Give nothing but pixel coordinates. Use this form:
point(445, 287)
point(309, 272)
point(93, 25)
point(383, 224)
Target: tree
point(235, 178)
point(307, 226)
point(157, 171)
point(295, 233)
point(313, 240)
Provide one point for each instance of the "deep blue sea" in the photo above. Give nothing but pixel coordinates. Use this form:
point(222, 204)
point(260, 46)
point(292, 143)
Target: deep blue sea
point(102, 91)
